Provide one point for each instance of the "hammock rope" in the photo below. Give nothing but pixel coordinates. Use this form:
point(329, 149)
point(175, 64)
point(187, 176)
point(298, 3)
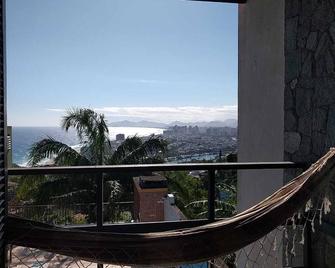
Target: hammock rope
point(290, 206)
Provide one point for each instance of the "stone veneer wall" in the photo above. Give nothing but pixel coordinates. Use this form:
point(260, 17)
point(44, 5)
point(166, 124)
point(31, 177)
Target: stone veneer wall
point(3, 175)
point(310, 96)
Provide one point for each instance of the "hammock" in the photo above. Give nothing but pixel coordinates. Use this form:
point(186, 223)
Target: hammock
point(174, 247)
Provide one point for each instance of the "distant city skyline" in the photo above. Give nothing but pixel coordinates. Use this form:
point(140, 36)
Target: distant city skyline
point(163, 114)
point(153, 60)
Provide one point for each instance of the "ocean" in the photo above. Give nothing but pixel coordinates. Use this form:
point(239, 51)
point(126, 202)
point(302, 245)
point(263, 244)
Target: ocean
point(24, 137)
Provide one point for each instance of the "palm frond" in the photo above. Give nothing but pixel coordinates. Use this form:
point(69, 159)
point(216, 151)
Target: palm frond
point(28, 187)
point(114, 190)
point(153, 147)
point(50, 148)
point(222, 208)
point(80, 195)
point(178, 188)
point(81, 120)
point(198, 204)
point(69, 158)
point(63, 185)
point(91, 129)
point(129, 145)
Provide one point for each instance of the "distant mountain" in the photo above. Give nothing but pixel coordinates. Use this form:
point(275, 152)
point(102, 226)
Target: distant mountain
point(143, 123)
point(178, 123)
point(227, 123)
point(125, 123)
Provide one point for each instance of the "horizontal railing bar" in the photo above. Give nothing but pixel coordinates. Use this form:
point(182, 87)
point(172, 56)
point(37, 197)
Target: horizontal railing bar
point(152, 167)
point(142, 227)
point(72, 204)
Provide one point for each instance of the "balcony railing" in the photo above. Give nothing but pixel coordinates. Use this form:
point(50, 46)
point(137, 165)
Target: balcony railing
point(67, 213)
point(98, 172)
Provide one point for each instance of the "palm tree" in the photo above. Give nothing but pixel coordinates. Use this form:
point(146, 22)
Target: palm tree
point(93, 134)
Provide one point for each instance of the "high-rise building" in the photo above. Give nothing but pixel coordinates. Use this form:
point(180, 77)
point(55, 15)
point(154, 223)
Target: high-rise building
point(9, 146)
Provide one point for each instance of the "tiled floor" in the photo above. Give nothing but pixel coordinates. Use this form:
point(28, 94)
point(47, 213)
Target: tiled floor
point(21, 257)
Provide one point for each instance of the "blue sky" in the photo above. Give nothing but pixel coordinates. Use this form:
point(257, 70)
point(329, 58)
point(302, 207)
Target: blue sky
point(160, 60)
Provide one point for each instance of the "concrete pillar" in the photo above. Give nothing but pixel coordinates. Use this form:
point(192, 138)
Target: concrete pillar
point(260, 105)
point(286, 97)
point(260, 97)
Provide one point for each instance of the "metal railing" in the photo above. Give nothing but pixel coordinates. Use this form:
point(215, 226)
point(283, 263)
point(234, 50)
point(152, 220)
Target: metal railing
point(65, 213)
point(211, 168)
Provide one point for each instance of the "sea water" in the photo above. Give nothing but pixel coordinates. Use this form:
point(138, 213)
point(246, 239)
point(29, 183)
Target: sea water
point(24, 137)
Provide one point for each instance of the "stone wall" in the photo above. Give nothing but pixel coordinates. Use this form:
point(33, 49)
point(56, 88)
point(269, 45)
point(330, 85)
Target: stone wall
point(309, 79)
point(3, 204)
point(310, 95)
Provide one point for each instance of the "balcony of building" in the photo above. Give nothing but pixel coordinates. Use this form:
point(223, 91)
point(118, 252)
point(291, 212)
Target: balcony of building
point(151, 209)
point(286, 122)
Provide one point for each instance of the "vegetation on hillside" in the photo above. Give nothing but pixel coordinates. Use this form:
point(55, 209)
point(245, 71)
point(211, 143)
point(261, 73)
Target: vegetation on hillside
point(191, 192)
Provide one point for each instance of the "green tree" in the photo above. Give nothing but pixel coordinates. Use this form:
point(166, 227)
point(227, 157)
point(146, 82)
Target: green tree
point(93, 134)
point(191, 192)
point(188, 190)
point(92, 131)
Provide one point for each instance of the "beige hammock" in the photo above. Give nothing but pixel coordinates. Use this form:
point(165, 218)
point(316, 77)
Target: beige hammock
point(178, 246)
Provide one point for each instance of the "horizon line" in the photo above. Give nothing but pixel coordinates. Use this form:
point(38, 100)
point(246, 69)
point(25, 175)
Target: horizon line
point(133, 121)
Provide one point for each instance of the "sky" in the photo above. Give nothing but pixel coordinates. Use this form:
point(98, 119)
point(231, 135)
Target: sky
point(157, 60)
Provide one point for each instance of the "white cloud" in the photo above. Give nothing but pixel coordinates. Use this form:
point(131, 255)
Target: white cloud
point(167, 114)
point(56, 110)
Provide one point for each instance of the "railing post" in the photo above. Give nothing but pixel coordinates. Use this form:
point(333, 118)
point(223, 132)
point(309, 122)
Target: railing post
point(99, 205)
point(99, 200)
point(211, 194)
point(211, 202)
point(309, 246)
